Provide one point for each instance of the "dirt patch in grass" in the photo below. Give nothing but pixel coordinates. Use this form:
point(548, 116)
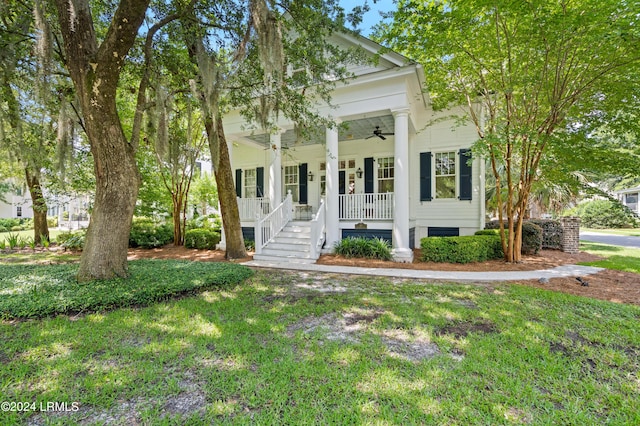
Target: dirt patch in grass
point(463, 329)
point(349, 327)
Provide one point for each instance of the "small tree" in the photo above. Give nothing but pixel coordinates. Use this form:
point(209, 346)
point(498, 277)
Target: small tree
point(528, 73)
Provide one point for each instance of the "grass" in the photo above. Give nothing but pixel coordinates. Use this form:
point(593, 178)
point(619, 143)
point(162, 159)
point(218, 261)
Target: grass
point(34, 291)
point(274, 351)
point(617, 257)
point(632, 232)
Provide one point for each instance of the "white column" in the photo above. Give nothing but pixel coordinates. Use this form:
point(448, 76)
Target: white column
point(332, 188)
point(275, 170)
point(401, 251)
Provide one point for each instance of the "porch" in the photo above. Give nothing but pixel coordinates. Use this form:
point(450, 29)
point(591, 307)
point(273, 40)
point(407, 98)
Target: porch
point(351, 207)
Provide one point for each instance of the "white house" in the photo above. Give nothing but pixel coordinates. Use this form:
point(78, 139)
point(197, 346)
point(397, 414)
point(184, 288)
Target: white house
point(398, 170)
point(629, 197)
point(17, 205)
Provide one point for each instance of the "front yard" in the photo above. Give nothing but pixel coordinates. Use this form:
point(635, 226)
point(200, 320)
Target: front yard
point(301, 348)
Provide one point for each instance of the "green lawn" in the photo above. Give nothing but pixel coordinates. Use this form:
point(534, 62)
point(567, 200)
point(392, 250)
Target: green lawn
point(27, 234)
point(617, 257)
point(633, 232)
point(302, 348)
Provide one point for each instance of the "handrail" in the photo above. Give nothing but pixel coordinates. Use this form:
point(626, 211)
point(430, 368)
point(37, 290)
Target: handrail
point(318, 230)
point(372, 206)
point(250, 208)
point(267, 227)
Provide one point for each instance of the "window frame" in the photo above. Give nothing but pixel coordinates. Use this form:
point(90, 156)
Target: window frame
point(452, 156)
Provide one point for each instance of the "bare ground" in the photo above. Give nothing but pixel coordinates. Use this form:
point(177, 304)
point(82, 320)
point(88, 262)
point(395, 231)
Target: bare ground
point(615, 286)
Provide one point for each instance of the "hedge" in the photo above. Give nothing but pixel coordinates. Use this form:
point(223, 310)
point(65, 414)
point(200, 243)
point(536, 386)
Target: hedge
point(466, 249)
point(201, 239)
point(146, 234)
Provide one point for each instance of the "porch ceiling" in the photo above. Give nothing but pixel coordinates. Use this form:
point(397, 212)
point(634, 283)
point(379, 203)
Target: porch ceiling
point(351, 130)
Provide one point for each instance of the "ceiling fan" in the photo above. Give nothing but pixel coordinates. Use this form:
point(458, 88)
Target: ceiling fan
point(377, 132)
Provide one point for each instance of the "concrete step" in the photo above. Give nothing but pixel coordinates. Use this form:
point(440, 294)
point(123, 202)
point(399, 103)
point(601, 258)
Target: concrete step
point(297, 229)
point(297, 246)
point(293, 235)
point(279, 259)
point(287, 253)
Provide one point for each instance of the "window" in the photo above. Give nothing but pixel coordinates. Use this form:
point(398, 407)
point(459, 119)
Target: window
point(385, 174)
point(349, 167)
point(19, 211)
point(291, 181)
point(250, 183)
point(631, 200)
point(445, 165)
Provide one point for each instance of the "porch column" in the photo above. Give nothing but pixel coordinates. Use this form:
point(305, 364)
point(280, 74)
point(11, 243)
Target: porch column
point(332, 187)
point(275, 169)
point(401, 251)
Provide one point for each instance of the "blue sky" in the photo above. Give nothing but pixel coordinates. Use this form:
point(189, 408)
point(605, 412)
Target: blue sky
point(373, 16)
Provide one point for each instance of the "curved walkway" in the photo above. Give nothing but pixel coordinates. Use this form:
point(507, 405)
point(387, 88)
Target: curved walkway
point(557, 272)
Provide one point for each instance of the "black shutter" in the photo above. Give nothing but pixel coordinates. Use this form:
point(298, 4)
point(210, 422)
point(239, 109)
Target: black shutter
point(239, 182)
point(465, 174)
point(425, 176)
point(368, 175)
point(302, 185)
point(342, 184)
point(260, 182)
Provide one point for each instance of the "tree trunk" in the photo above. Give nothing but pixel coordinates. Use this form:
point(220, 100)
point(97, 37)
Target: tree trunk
point(95, 71)
point(178, 235)
point(227, 197)
point(117, 181)
point(40, 226)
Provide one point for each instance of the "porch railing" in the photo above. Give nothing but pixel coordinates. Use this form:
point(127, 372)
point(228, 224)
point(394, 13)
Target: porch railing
point(250, 208)
point(267, 227)
point(366, 206)
point(317, 230)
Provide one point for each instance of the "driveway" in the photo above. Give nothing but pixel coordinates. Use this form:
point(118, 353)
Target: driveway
point(616, 240)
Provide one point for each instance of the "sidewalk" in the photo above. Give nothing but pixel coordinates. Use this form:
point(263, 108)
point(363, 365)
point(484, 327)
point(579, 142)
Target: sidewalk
point(557, 272)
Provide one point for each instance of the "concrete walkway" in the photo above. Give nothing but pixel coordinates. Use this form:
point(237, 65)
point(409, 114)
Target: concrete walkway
point(557, 272)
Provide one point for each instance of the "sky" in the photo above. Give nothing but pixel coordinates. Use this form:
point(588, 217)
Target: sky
point(372, 17)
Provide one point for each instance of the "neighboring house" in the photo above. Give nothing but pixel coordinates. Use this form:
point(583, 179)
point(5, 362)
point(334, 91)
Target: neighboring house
point(17, 205)
point(72, 212)
point(397, 171)
point(629, 197)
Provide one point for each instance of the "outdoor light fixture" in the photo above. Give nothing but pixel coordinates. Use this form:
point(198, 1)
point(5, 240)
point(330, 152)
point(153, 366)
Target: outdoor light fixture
point(359, 172)
point(310, 176)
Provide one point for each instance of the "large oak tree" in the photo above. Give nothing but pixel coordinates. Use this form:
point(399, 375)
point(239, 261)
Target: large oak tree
point(95, 66)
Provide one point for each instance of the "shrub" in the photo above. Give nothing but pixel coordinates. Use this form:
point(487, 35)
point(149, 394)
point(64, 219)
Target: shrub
point(37, 291)
point(3, 229)
point(370, 248)
point(604, 214)
point(13, 240)
point(52, 221)
point(146, 234)
point(466, 249)
point(211, 221)
point(250, 245)
point(531, 238)
point(488, 232)
point(75, 241)
point(9, 223)
point(72, 240)
point(201, 239)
